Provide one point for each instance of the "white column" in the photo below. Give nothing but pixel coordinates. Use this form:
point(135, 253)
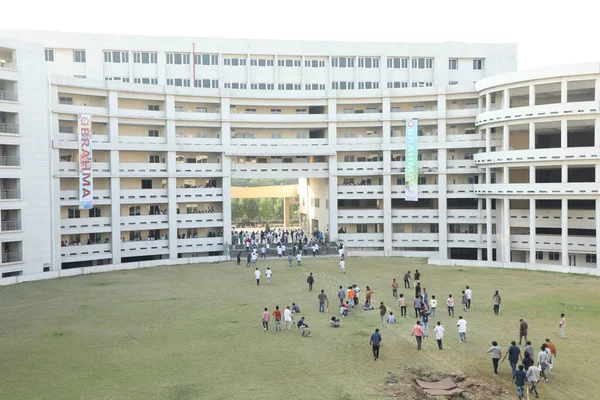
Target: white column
point(226, 183)
point(386, 116)
point(225, 123)
point(532, 246)
point(563, 92)
point(563, 134)
point(597, 232)
point(506, 99)
point(172, 208)
point(332, 125)
point(597, 131)
point(531, 136)
point(564, 225)
point(564, 173)
point(480, 103)
point(387, 202)
point(506, 230)
point(505, 137)
point(443, 204)
point(488, 106)
point(333, 199)
point(531, 95)
point(115, 207)
point(488, 140)
point(488, 233)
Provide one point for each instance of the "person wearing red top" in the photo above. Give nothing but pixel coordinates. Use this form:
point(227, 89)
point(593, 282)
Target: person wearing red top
point(417, 331)
point(277, 315)
point(265, 320)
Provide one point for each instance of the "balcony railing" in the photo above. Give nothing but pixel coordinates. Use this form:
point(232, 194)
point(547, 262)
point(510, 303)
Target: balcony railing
point(6, 95)
point(10, 194)
point(9, 128)
point(8, 64)
point(7, 226)
point(11, 257)
point(10, 161)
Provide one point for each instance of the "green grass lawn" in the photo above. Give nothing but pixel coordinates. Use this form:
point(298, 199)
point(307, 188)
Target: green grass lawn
point(194, 332)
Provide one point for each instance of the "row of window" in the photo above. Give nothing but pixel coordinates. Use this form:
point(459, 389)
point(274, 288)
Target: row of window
point(453, 64)
point(274, 135)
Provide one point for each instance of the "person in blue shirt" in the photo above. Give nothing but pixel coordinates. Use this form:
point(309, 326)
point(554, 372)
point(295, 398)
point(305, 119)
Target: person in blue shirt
point(514, 354)
point(375, 342)
point(519, 378)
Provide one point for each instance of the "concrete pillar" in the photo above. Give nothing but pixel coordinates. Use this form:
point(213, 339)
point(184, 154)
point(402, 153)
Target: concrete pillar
point(115, 207)
point(387, 202)
point(505, 138)
point(531, 174)
point(597, 131)
point(226, 165)
point(225, 121)
point(332, 125)
point(531, 136)
point(563, 134)
point(488, 233)
point(563, 92)
point(480, 103)
point(386, 115)
point(597, 232)
point(531, 95)
point(506, 230)
point(333, 200)
point(172, 212)
point(488, 140)
point(488, 106)
point(532, 244)
point(564, 226)
point(443, 206)
point(506, 99)
point(564, 173)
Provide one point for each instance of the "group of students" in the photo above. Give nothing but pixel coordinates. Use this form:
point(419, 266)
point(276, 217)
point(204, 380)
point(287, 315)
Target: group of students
point(287, 319)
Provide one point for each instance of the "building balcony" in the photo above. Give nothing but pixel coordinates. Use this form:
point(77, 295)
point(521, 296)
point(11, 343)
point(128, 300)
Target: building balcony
point(433, 138)
point(359, 117)
point(12, 257)
point(198, 170)
point(10, 194)
point(9, 128)
point(467, 240)
point(84, 225)
point(197, 116)
point(200, 245)
point(576, 244)
point(465, 190)
point(6, 95)
point(199, 194)
point(403, 116)
point(408, 216)
point(351, 240)
point(145, 140)
point(100, 169)
point(8, 64)
point(415, 239)
point(10, 226)
point(144, 248)
point(144, 114)
point(425, 166)
point(144, 196)
point(279, 147)
point(280, 170)
point(528, 156)
point(425, 191)
point(69, 141)
point(360, 140)
point(474, 138)
point(144, 222)
point(463, 113)
point(10, 161)
point(542, 111)
point(577, 219)
point(211, 144)
point(200, 220)
point(539, 189)
point(281, 118)
point(360, 192)
point(76, 109)
point(143, 169)
point(85, 252)
point(462, 166)
point(71, 197)
point(360, 216)
point(468, 216)
point(359, 168)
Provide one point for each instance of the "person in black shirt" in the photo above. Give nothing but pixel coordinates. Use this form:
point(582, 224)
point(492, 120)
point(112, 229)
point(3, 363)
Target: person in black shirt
point(519, 378)
point(310, 281)
point(527, 361)
point(407, 280)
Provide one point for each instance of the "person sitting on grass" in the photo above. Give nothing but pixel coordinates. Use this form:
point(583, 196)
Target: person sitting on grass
point(300, 323)
point(295, 308)
point(344, 311)
point(391, 318)
point(305, 331)
point(334, 323)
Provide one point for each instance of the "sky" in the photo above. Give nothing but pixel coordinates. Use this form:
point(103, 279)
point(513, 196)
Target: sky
point(546, 32)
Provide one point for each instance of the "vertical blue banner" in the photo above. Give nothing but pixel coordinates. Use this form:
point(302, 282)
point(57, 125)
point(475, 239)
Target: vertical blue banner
point(411, 167)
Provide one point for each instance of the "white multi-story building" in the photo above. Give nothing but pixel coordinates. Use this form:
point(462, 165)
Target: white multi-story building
point(175, 119)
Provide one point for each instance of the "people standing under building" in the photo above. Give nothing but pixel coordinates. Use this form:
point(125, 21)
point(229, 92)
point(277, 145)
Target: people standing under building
point(265, 320)
point(439, 334)
point(469, 293)
point(514, 355)
point(402, 305)
point(522, 330)
point(497, 301)
point(407, 280)
point(496, 355)
point(257, 276)
point(375, 342)
point(287, 318)
point(432, 306)
point(290, 259)
point(299, 259)
point(341, 295)
point(239, 258)
point(417, 331)
point(382, 312)
point(395, 288)
point(277, 315)
point(462, 329)
point(450, 304)
point(562, 325)
point(268, 275)
point(322, 299)
point(310, 280)
point(417, 279)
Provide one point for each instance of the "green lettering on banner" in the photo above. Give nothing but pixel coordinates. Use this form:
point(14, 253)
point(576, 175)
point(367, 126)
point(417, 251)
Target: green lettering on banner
point(411, 167)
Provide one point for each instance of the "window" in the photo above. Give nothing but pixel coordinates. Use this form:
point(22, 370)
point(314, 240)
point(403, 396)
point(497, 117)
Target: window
point(178, 82)
point(453, 63)
point(590, 258)
point(79, 56)
point(153, 107)
point(418, 108)
point(342, 62)
point(49, 55)
point(317, 202)
point(250, 110)
point(207, 83)
point(154, 159)
point(539, 255)
point(397, 85)
point(422, 180)
point(289, 86)
point(422, 63)
point(348, 135)
point(342, 85)
point(452, 83)
point(554, 256)
point(154, 210)
point(65, 129)
point(362, 228)
point(235, 85)
point(116, 78)
point(144, 58)
point(368, 85)
point(301, 135)
point(206, 59)
point(116, 57)
point(146, 81)
point(178, 58)
point(275, 110)
point(422, 84)
point(368, 62)
point(372, 110)
point(94, 212)
point(314, 86)
point(276, 135)
point(234, 62)
point(434, 228)
point(301, 111)
point(314, 63)
point(349, 158)
point(478, 64)
point(201, 109)
point(65, 100)
point(135, 210)
point(73, 213)
point(262, 86)
point(153, 132)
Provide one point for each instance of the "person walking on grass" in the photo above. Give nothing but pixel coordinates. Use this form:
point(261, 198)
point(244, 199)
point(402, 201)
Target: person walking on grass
point(375, 342)
point(439, 334)
point(369, 294)
point(287, 317)
point(417, 306)
point(239, 258)
point(248, 259)
point(463, 301)
point(425, 322)
point(519, 379)
point(268, 275)
point(342, 266)
point(322, 299)
point(425, 298)
point(527, 360)
point(402, 305)
point(562, 325)
point(462, 329)
point(496, 355)
point(552, 347)
point(469, 294)
point(257, 276)
point(523, 330)
point(310, 280)
point(514, 355)
point(542, 361)
point(350, 296)
point(290, 259)
point(407, 280)
point(382, 312)
point(417, 279)
point(341, 295)
point(265, 320)
point(450, 304)
point(497, 301)
point(277, 315)
point(417, 331)
point(394, 288)
point(533, 377)
point(432, 306)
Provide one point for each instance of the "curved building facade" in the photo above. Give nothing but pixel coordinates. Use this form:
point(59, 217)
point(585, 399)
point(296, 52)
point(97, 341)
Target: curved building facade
point(174, 120)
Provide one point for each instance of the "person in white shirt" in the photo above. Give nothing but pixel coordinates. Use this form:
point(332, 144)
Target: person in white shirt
point(533, 377)
point(469, 294)
point(341, 253)
point(257, 276)
point(462, 329)
point(342, 266)
point(263, 252)
point(439, 334)
point(254, 258)
point(279, 251)
point(268, 274)
point(287, 317)
point(391, 318)
point(299, 259)
point(432, 306)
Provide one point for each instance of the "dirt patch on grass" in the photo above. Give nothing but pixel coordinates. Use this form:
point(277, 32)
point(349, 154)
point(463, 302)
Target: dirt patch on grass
point(405, 387)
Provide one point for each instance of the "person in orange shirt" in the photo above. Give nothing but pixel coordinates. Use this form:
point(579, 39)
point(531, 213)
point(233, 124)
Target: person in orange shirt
point(552, 348)
point(350, 296)
point(277, 315)
point(369, 294)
